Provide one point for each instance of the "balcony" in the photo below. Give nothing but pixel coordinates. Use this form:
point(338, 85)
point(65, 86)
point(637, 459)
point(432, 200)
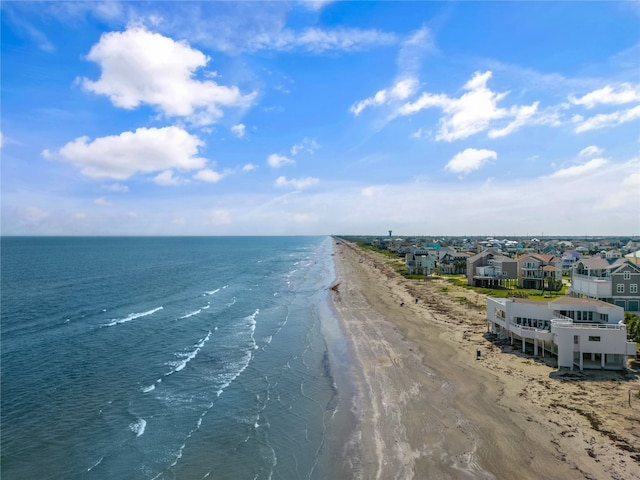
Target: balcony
point(530, 332)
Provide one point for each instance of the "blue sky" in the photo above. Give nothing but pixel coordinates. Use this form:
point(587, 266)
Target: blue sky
point(281, 118)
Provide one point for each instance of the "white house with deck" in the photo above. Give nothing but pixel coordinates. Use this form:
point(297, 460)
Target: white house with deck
point(581, 332)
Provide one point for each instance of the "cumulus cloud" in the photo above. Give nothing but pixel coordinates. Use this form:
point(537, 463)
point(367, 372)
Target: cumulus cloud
point(590, 151)
point(249, 167)
point(238, 130)
point(308, 145)
point(142, 151)
point(608, 95)
point(208, 175)
point(296, 183)
point(141, 67)
point(276, 161)
point(469, 160)
point(473, 112)
point(604, 120)
point(579, 170)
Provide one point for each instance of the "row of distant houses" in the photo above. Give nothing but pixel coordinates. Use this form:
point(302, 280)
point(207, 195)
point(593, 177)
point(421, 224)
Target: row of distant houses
point(612, 280)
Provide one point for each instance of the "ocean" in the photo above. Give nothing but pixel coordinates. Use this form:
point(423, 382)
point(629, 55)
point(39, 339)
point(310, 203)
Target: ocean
point(170, 358)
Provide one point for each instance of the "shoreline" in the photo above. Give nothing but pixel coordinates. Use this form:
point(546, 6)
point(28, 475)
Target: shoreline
point(425, 407)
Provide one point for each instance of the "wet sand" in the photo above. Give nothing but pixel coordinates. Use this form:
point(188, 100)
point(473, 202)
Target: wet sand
point(427, 408)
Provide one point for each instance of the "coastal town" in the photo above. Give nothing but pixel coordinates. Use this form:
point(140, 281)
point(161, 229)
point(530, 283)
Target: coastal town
point(587, 286)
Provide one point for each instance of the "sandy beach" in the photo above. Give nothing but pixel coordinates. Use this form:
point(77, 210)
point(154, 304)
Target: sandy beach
point(427, 408)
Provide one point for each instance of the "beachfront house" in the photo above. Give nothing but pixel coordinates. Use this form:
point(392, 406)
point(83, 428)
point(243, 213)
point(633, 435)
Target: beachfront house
point(490, 268)
point(581, 332)
point(539, 271)
point(452, 261)
point(420, 261)
point(613, 281)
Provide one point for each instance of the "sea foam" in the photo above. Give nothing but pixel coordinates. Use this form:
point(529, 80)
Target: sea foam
point(131, 316)
point(138, 426)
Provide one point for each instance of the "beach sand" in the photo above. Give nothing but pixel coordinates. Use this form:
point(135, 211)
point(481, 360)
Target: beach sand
point(427, 408)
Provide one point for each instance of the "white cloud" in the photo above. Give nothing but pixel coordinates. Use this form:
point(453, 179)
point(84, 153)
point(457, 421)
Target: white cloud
point(472, 112)
point(604, 120)
point(308, 145)
point(141, 67)
point(102, 201)
point(315, 5)
point(249, 167)
point(579, 170)
point(608, 95)
point(401, 90)
point(143, 151)
point(469, 160)
point(166, 179)
point(523, 115)
point(413, 50)
point(410, 56)
point(208, 175)
point(239, 27)
point(296, 183)
point(317, 40)
point(590, 151)
point(276, 161)
point(238, 130)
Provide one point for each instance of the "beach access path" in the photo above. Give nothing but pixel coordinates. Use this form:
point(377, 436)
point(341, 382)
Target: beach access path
point(428, 408)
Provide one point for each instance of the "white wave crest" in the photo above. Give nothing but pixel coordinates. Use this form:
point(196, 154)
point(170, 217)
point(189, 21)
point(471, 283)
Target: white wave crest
point(131, 316)
point(138, 426)
point(191, 314)
point(188, 356)
point(213, 292)
point(95, 464)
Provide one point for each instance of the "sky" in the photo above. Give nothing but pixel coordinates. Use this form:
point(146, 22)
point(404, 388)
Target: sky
point(315, 118)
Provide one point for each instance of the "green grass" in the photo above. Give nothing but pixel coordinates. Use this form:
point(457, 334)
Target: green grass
point(461, 280)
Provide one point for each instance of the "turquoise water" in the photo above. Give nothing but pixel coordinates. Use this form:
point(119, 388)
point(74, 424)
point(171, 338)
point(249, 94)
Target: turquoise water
point(162, 358)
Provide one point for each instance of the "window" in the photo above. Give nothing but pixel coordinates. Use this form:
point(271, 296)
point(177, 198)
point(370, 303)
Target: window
point(633, 288)
point(585, 316)
point(594, 339)
point(576, 339)
point(627, 275)
point(620, 288)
